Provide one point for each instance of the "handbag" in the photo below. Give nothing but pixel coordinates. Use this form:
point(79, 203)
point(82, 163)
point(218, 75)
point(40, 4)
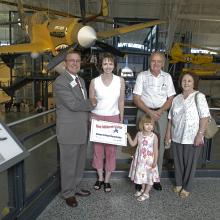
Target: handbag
point(212, 127)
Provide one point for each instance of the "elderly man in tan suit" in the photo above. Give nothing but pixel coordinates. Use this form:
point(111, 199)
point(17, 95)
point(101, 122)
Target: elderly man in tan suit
point(72, 110)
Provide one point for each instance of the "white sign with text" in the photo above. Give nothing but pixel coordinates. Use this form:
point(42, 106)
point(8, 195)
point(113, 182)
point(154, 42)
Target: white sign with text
point(108, 132)
point(8, 146)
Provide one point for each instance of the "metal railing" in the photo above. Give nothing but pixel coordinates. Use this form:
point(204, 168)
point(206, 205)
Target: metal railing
point(23, 205)
point(24, 202)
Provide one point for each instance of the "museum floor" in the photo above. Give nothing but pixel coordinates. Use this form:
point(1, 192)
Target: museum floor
point(120, 204)
point(203, 203)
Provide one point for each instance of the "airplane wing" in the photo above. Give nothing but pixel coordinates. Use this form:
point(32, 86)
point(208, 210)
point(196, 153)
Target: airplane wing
point(41, 42)
point(24, 48)
point(127, 29)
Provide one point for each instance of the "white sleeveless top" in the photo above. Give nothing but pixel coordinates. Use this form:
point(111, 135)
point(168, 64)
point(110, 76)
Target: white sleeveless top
point(107, 96)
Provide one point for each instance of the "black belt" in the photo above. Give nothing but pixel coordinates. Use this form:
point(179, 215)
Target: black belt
point(155, 109)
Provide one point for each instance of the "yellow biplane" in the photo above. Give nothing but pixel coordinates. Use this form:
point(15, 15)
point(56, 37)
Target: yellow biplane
point(49, 35)
point(200, 64)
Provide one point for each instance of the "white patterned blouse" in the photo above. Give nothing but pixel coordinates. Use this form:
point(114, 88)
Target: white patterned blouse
point(185, 116)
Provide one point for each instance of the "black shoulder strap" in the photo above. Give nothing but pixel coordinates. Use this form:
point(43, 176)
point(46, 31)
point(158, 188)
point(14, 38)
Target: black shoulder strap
point(196, 100)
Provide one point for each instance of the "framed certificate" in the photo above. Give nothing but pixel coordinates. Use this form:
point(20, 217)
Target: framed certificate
point(108, 132)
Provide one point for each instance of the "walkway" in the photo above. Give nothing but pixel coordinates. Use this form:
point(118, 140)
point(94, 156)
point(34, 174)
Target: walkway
point(120, 204)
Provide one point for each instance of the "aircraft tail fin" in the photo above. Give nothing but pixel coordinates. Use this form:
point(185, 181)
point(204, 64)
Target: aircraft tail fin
point(104, 8)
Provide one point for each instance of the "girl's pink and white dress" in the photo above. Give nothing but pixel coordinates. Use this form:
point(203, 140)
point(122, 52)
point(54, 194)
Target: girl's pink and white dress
point(141, 171)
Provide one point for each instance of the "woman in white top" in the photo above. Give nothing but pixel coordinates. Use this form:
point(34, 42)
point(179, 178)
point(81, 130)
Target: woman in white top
point(108, 90)
point(186, 126)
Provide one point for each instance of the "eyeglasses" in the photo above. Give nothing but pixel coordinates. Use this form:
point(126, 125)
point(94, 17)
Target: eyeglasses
point(73, 61)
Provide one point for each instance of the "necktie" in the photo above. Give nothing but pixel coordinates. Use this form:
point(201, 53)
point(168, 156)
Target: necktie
point(80, 86)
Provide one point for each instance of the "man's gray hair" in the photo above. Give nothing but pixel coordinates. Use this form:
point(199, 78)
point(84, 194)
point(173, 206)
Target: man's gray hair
point(161, 54)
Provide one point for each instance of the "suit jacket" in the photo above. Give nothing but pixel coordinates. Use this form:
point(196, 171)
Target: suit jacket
point(72, 110)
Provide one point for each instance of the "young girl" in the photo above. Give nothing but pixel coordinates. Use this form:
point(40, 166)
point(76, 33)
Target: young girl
point(144, 169)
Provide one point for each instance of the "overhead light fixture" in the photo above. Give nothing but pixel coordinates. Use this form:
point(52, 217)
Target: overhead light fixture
point(126, 71)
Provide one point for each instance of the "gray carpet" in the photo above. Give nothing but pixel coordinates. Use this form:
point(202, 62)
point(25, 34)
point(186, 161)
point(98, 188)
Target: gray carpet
point(120, 204)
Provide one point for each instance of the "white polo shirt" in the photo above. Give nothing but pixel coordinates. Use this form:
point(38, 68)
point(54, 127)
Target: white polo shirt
point(154, 91)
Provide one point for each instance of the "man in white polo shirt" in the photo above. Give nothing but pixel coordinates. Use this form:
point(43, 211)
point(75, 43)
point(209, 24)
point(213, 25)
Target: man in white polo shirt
point(153, 95)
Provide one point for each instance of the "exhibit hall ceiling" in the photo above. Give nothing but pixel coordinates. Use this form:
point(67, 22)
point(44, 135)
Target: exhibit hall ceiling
point(199, 17)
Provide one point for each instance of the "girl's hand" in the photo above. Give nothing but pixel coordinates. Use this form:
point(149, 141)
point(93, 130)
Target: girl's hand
point(153, 164)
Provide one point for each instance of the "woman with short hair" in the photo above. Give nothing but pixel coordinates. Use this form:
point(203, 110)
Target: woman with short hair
point(188, 118)
point(109, 90)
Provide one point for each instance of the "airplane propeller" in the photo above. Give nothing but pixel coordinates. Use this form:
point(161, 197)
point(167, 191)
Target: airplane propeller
point(60, 57)
point(109, 48)
point(87, 37)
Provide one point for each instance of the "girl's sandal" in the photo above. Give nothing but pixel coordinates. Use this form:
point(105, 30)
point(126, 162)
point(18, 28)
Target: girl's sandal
point(184, 194)
point(98, 185)
point(138, 193)
point(177, 189)
point(107, 187)
point(143, 197)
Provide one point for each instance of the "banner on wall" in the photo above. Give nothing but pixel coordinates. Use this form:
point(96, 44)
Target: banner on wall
point(108, 132)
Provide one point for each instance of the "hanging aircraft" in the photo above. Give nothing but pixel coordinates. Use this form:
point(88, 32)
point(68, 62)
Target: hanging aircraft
point(200, 64)
point(51, 35)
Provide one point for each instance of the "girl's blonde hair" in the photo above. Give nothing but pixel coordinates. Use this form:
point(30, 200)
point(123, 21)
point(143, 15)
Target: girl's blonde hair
point(145, 119)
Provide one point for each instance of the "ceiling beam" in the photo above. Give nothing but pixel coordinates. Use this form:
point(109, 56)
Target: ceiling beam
point(199, 17)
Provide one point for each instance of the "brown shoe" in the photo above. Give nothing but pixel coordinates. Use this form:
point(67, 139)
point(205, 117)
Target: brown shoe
point(71, 201)
point(83, 193)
